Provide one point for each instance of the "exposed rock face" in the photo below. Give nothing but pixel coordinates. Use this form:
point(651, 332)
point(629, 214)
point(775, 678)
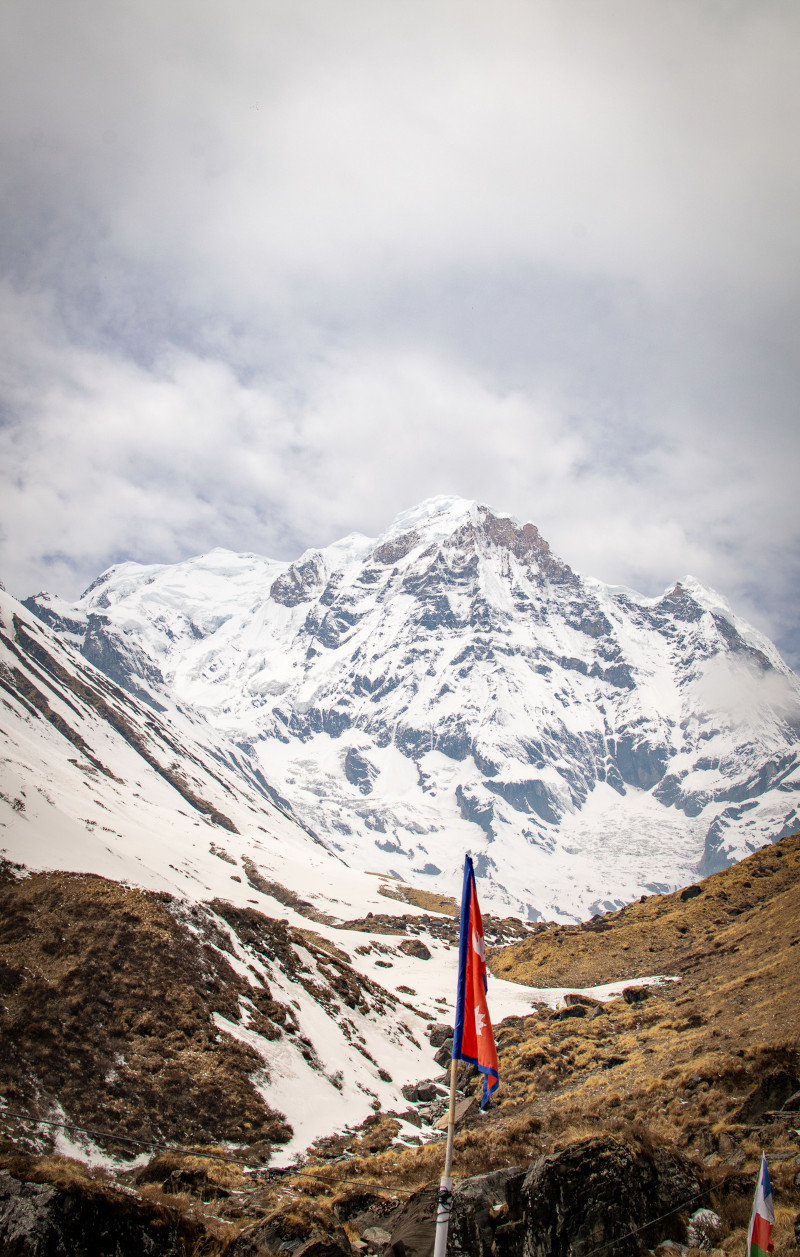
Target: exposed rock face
point(593, 1193)
point(83, 1220)
point(597, 1192)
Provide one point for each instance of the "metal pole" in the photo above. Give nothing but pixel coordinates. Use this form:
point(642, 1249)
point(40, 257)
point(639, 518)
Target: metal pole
point(445, 1200)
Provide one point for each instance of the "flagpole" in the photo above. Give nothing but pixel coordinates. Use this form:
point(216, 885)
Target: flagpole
point(472, 1035)
point(445, 1200)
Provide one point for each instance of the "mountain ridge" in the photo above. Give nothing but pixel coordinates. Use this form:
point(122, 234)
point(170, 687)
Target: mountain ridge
point(453, 684)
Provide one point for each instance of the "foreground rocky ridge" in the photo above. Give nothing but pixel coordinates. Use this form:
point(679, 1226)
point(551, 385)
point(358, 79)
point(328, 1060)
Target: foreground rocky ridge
point(610, 1114)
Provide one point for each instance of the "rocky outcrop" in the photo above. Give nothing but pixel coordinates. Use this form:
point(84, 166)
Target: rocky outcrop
point(597, 1192)
point(84, 1218)
point(602, 1191)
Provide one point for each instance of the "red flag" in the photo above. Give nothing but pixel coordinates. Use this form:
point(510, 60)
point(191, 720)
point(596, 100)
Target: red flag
point(473, 1039)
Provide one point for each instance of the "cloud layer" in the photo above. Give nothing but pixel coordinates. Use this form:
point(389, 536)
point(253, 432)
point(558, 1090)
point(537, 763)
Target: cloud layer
point(274, 272)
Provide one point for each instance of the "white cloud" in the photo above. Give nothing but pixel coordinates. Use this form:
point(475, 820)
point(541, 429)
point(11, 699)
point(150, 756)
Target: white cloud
point(280, 270)
point(737, 689)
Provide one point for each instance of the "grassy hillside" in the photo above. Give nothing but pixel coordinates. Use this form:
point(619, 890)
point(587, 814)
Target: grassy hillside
point(701, 1064)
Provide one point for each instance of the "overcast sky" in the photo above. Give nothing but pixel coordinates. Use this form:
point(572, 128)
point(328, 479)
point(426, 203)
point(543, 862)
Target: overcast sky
point(273, 272)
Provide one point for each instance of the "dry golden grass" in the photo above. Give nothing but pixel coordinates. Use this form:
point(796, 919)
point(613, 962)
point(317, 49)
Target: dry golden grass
point(673, 1068)
point(428, 900)
point(108, 1002)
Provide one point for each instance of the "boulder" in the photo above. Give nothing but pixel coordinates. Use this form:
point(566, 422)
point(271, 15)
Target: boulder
point(415, 947)
point(591, 1194)
point(577, 997)
point(414, 1229)
point(636, 994)
point(439, 1034)
point(359, 1203)
point(481, 1223)
point(422, 1092)
point(427, 1091)
point(691, 892)
point(444, 1054)
point(595, 1192)
point(571, 1010)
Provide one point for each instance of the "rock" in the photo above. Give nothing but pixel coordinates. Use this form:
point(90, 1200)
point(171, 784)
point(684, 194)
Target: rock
point(482, 1209)
point(792, 1105)
point(427, 1091)
point(636, 994)
point(322, 1246)
point(410, 1115)
point(376, 1236)
point(577, 997)
point(439, 1034)
point(421, 1092)
point(691, 892)
point(414, 1229)
point(415, 947)
point(361, 1202)
point(595, 1192)
point(263, 1239)
point(444, 1054)
point(590, 1194)
point(25, 1215)
point(87, 1218)
point(572, 1010)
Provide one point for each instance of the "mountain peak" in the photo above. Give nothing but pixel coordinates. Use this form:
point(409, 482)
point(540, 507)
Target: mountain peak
point(452, 684)
point(440, 515)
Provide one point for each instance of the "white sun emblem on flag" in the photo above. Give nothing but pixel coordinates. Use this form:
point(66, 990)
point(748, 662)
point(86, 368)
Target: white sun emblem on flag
point(478, 944)
point(480, 1022)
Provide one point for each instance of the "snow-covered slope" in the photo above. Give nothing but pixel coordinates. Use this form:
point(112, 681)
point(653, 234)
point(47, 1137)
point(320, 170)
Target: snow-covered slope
point(453, 685)
point(92, 781)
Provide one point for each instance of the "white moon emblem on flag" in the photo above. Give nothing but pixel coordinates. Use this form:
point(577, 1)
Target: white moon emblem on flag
point(478, 944)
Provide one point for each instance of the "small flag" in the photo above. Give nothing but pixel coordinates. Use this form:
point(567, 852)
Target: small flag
point(762, 1219)
point(473, 1039)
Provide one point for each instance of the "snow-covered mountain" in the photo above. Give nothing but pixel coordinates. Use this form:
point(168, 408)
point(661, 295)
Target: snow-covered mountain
point(304, 985)
point(454, 685)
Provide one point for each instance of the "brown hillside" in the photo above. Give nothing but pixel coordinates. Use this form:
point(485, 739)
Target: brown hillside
point(106, 1009)
point(733, 934)
point(700, 1067)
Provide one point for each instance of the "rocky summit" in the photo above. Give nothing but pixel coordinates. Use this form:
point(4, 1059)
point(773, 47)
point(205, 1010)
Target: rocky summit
point(452, 685)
